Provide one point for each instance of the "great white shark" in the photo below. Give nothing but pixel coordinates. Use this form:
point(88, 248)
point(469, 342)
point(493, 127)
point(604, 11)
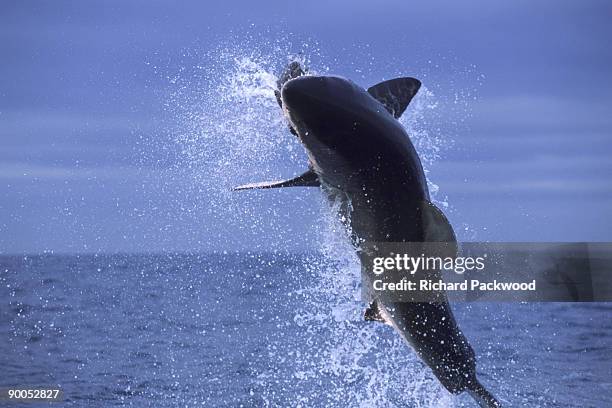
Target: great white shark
point(361, 156)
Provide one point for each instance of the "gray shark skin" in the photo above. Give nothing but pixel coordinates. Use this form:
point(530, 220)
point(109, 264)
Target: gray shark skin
point(363, 159)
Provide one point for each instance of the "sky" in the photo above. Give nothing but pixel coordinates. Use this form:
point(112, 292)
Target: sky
point(89, 102)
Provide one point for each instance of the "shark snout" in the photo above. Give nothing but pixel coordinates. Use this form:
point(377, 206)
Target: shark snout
point(299, 91)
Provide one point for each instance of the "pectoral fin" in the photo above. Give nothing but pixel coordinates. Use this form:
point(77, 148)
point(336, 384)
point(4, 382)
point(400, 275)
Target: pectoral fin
point(395, 94)
point(308, 179)
point(372, 313)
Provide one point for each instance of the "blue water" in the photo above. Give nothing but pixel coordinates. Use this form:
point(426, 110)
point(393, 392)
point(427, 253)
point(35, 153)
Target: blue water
point(257, 330)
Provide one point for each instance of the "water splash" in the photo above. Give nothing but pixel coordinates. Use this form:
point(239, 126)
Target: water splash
point(231, 129)
point(430, 146)
point(233, 132)
point(361, 364)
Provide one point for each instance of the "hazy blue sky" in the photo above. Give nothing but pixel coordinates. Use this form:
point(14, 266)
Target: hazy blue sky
point(86, 116)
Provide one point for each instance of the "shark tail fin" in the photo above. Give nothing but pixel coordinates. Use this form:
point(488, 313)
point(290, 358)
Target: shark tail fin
point(307, 179)
point(395, 94)
point(483, 397)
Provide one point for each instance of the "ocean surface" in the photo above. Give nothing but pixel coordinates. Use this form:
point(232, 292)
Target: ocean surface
point(268, 330)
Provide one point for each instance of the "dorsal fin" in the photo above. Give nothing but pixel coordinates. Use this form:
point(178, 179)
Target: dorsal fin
point(307, 179)
point(395, 94)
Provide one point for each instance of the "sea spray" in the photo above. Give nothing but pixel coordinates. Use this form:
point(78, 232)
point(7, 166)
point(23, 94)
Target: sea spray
point(327, 355)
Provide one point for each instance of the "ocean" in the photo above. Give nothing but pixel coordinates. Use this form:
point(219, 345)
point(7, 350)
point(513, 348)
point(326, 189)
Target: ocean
point(268, 330)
